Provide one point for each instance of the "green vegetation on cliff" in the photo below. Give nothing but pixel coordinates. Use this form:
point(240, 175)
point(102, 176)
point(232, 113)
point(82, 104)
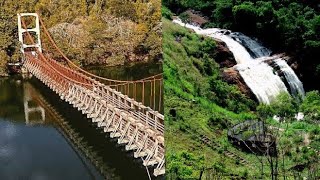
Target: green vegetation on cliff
point(89, 31)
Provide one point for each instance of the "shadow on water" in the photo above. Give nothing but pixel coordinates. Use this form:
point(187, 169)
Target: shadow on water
point(60, 143)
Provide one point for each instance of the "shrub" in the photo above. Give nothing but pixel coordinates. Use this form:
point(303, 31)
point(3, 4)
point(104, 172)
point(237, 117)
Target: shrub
point(166, 13)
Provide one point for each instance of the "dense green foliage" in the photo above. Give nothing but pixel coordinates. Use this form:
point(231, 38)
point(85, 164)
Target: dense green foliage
point(89, 31)
point(311, 105)
point(289, 26)
point(286, 108)
point(297, 140)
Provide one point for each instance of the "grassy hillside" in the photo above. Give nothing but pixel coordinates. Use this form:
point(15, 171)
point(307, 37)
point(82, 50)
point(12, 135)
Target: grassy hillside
point(194, 93)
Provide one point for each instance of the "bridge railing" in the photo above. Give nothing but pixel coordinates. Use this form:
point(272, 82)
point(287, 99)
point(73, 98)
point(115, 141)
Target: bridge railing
point(152, 118)
point(57, 72)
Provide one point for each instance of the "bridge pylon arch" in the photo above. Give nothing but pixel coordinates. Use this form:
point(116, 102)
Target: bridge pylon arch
point(35, 30)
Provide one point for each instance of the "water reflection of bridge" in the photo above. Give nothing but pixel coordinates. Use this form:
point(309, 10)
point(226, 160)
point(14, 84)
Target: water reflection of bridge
point(31, 109)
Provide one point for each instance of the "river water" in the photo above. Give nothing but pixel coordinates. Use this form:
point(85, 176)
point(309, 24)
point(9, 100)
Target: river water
point(42, 137)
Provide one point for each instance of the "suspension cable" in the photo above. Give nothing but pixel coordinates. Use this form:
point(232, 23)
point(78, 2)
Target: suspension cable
point(42, 56)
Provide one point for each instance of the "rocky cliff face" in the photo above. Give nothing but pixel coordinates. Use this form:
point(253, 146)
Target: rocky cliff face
point(196, 17)
point(226, 61)
point(232, 76)
point(224, 56)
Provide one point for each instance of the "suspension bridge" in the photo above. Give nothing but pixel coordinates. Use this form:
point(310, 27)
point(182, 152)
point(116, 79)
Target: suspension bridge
point(126, 110)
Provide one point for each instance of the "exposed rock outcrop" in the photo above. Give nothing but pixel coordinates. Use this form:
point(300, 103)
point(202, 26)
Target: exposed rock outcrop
point(293, 63)
point(196, 17)
point(224, 56)
point(232, 76)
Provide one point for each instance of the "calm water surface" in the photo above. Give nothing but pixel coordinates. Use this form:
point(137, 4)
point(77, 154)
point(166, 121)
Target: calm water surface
point(42, 137)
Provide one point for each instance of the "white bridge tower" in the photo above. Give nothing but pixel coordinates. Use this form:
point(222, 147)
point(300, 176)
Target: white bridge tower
point(35, 30)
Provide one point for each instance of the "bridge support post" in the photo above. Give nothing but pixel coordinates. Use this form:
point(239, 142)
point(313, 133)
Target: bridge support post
point(35, 30)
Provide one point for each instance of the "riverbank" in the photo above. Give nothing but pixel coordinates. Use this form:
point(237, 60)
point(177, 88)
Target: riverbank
point(127, 71)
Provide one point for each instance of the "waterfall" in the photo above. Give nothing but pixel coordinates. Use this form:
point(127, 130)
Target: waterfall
point(250, 55)
point(255, 48)
point(240, 53)
point(260, 78)
point(296, 87)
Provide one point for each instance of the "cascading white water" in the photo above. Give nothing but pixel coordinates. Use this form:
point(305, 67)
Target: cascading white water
point(260, 78)
point(255, 49)
point(240, 53)
point(296, 87)
point(258, 75)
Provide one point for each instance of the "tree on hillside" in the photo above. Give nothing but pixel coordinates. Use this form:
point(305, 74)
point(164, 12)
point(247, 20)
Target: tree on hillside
point(311, 105)
point(185, 18)
point(8, 37)
point(285, 107)
point(245, 17)
point(265, 111)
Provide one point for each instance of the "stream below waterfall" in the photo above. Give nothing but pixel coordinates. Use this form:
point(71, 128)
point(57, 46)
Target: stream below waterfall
point(266, 79)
